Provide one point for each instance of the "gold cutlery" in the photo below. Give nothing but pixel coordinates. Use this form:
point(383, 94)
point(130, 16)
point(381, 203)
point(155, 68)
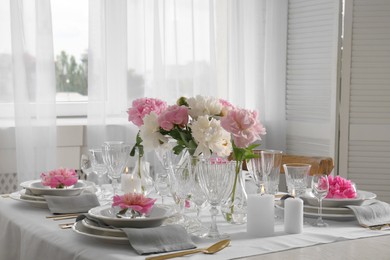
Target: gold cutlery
point(66, 225)
point(209, 250)
point(5, 196)
point(379, 227)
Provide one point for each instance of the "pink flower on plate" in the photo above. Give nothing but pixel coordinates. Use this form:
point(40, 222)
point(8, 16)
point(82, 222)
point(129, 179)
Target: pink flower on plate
point(59, 178)
point(135, 201)
point(243, 125)
point(173, 115)
point(340, 188)
point(142, 107)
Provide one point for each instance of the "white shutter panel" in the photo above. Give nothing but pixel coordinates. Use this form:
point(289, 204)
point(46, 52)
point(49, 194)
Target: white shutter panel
point(366, 129)
point(311, 88)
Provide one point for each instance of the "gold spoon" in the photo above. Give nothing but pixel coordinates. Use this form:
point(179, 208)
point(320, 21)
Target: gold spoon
point(209, 250)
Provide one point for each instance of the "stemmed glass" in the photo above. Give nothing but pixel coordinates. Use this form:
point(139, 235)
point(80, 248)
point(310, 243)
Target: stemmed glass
point(270, 164)
point(162, 185)
point(115, 156)
point(320, 188)
point(254, 166)
point(85, 165)
point(216, 180)
point(100, 168)
point(181, 184)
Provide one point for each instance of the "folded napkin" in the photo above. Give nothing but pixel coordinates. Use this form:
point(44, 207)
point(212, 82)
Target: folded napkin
point(72, 204)
point(374, 213)
point(159, 239)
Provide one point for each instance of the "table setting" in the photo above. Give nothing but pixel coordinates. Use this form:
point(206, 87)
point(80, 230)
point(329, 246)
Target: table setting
point(202, 144)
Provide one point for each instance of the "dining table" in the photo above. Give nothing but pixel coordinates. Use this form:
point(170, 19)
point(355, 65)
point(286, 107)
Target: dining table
point(27, 233)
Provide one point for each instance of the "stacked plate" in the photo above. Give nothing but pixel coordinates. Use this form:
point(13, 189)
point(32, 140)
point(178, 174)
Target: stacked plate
point(33, 191)
point(107, 225)
point(334, 208)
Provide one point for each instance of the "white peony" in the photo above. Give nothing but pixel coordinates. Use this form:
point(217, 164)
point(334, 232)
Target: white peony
point(200, 106)
point(210, 135)
point(149, 132)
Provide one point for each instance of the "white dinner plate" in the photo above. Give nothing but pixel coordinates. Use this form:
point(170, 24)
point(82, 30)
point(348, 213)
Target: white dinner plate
point(34, 203)
point(79, 228)
point(36, 187)
point(334, 203)
point(106, 214)
point(339, 217)
point(105, 230)
point(24, 194)
point(327, 210)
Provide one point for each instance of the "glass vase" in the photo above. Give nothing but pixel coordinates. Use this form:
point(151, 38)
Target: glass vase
point(234, 208)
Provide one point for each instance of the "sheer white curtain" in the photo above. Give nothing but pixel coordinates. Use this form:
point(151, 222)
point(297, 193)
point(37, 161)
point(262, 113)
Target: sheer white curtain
point(165, 49)
point(33, 95)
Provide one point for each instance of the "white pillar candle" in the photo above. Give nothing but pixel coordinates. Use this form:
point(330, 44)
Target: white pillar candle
point(260, 215)
point(130, 184)
point(293, 215)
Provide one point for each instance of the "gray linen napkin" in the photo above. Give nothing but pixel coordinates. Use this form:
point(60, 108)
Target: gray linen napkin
point(159, 239)
point(72, 204)
point(372, 213)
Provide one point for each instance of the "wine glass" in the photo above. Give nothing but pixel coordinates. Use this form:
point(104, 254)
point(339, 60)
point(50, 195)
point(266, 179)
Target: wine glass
point(216, 181)
point(162, 185)
point(270, 164)
point(254, 166)
point(320, 188)
point(98, 166)
point(85, 165)
point(115, 156)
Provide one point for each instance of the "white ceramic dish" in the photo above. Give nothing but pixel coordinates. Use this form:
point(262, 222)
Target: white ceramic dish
point(79, 228)
point(326, 210)
point(336, 203)
point(34, 203)
point(106, 230)
point(106, 214)
point(36, 188)
point(25, 195)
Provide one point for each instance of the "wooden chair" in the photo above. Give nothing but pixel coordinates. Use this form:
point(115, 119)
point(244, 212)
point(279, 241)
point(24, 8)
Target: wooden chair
point(319, 164)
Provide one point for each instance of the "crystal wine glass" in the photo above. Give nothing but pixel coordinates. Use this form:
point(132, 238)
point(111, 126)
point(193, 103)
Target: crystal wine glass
point(100, 168)
point(270, 164)
point(254, 166)
point(162, 185)
point(320, 188)
point(115, 156)
point(216, 180)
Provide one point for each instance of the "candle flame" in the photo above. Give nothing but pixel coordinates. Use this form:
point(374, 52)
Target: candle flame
point(293, 192)
point(262, 191)
point(127, 169)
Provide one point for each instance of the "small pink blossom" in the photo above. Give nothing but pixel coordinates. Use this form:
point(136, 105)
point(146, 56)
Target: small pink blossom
point(218, 160)
point(135, 201)
point(142, 107)
point(59, 178)
point(340, 188)
point(187, 204)
point(173, 115)
point(244, 126)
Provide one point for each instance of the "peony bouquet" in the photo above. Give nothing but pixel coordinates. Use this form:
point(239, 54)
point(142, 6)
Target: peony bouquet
point(59, 178)
point(136, 202)
point(202, 125)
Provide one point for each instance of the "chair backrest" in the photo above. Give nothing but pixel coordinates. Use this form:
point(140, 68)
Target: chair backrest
point(319, 164)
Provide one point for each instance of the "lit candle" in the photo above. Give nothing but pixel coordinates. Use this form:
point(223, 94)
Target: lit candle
point(130, 184)
point(260, 217)
point(293, 215)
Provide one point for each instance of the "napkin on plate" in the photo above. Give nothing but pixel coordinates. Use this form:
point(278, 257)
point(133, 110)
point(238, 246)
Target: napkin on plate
point(72, 204)
point(159, 239)
point(373, 213)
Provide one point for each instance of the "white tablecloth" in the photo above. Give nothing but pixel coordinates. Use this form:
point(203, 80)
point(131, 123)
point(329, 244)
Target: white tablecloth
point(27, 234)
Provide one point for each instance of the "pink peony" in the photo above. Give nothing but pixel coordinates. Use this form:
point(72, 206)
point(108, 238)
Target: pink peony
point(135, 201)
point(142, 107)
point(173, 115)
point(243, 125)
point(59, 178)
point(340, 188)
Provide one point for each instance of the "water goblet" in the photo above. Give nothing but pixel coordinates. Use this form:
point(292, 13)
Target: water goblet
point(100, 168)
point(216, 181)
point(85, 165)
point(320, 188)
point(162, 185)
point(270, 164)
point(115, 156)
point(296, 177)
